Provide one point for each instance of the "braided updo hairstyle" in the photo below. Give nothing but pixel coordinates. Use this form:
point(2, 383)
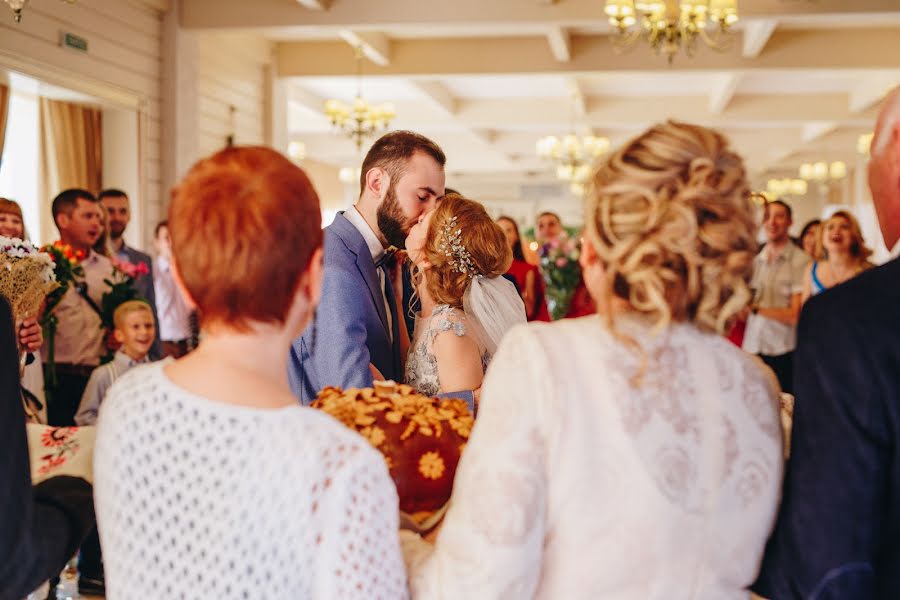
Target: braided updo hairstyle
point(485, 242)
point(670, 216)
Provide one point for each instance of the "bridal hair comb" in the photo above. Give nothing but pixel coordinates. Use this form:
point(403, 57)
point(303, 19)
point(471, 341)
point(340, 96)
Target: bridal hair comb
point(451, 246)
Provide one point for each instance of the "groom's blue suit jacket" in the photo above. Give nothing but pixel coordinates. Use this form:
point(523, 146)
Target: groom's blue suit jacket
point(350, 329)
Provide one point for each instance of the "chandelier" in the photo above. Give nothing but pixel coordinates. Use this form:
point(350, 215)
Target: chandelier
point(574, 156)
point(823, 171)
point(670, 25)
point(864, 142)
point(779, 188)
point(360, 119)
point(18, 5)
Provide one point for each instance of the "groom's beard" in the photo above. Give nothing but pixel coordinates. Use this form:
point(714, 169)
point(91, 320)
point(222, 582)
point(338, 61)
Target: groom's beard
point(391, 220)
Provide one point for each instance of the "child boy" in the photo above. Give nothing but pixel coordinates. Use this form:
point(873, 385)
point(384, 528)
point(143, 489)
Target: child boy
point(135, 330)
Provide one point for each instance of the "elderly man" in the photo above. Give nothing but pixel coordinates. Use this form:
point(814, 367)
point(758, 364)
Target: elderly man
point(838, 531)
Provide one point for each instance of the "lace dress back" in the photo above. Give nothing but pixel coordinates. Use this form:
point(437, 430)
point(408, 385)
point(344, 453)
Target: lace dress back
point(199, 499)
point(576, 483)
point(421, 364)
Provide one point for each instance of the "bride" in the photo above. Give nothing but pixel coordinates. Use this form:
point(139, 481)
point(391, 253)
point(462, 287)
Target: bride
point(458, 257)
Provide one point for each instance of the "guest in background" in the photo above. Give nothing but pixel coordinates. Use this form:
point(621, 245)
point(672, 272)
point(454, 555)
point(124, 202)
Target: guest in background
point(838, 531)
point(527, 276)
point(79, 342)
point(174, 313)
point(547, 227)
point(41, 527)
point(135, 331)
point(778, 275)
point(210, 479)
point(843, 253)
point(809, 236)
point(118, 215)
point(11, 222)
point(30, 332)
point(638, 454)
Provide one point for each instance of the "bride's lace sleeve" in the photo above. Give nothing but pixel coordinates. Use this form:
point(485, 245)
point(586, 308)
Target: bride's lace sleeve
point(491, 541)
point(359, 554)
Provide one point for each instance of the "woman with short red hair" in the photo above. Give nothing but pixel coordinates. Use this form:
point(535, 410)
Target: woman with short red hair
point(210, 480)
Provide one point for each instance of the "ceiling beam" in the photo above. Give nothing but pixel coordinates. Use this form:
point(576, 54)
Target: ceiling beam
point(723, 91)
point(868, 93)
point(611, 114)
point(756, 35)
point(308, 100)
point(438, 95)
point(315, 4)
point(375, 45)
point(282, 14)
point(816, 130)
point(558, 38)
point(788, 49)
point(578, 97)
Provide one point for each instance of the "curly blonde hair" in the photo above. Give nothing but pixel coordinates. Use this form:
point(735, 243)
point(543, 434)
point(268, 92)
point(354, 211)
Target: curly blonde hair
point(670, 216)
point(481, 237)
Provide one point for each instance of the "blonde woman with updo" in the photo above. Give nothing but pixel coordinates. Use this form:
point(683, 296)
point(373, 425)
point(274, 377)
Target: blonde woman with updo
point(842, 251)
point(459, 256)
point(633, 454)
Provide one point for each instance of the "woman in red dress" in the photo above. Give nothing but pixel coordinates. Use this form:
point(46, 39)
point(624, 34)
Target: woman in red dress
point(527, 276)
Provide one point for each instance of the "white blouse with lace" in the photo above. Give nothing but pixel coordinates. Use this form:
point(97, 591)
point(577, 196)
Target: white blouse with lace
point(575, 484)
point(199, 499)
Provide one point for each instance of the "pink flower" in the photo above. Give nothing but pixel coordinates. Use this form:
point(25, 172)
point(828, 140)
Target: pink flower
point(561, 262)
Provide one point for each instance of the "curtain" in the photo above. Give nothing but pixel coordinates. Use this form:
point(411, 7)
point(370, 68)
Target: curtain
point(71, 153)
point(4, 111)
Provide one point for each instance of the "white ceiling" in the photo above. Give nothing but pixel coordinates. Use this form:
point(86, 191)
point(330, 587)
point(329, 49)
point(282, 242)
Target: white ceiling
point(486, 79)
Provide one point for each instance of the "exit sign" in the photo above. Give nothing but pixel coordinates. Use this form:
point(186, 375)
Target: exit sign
point(70, 40)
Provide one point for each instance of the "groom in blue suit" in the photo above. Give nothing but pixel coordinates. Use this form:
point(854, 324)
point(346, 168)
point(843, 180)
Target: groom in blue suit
point(357, 331)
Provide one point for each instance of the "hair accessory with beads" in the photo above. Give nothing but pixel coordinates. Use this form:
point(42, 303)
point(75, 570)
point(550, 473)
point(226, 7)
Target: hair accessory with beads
point(451, 246)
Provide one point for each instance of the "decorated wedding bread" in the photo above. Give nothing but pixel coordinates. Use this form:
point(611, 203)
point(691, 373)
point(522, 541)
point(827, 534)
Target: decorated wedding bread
point(421, 439)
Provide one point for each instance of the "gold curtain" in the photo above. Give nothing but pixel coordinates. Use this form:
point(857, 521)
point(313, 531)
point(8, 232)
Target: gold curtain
point(4, 111)
point(71, 147)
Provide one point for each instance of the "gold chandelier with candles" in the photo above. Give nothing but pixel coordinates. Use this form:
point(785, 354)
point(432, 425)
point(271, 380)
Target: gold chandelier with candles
point(672, 25)
point(360, 119)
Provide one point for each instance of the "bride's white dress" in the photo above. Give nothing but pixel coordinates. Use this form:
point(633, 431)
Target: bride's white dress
point(421, 363)
point(575, 484)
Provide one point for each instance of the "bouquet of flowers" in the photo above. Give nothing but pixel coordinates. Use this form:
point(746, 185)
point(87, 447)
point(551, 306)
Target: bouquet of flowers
point(121, 289)
point(26, 276)
point(66, 268)
point(561, 272)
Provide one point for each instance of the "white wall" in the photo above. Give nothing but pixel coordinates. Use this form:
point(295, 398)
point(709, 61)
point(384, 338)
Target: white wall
point(232, 72)
point(121, 68)
point(121, 162)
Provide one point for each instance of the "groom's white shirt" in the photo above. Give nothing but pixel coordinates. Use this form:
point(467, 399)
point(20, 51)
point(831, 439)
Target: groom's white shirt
point(377, 251)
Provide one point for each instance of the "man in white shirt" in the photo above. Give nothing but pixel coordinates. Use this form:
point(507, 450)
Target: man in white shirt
point(777, 285)
point(174, 315)
point(79, 343)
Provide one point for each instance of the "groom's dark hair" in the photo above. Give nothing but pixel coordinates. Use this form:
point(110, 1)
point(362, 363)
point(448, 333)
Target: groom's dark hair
point(392, 151)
